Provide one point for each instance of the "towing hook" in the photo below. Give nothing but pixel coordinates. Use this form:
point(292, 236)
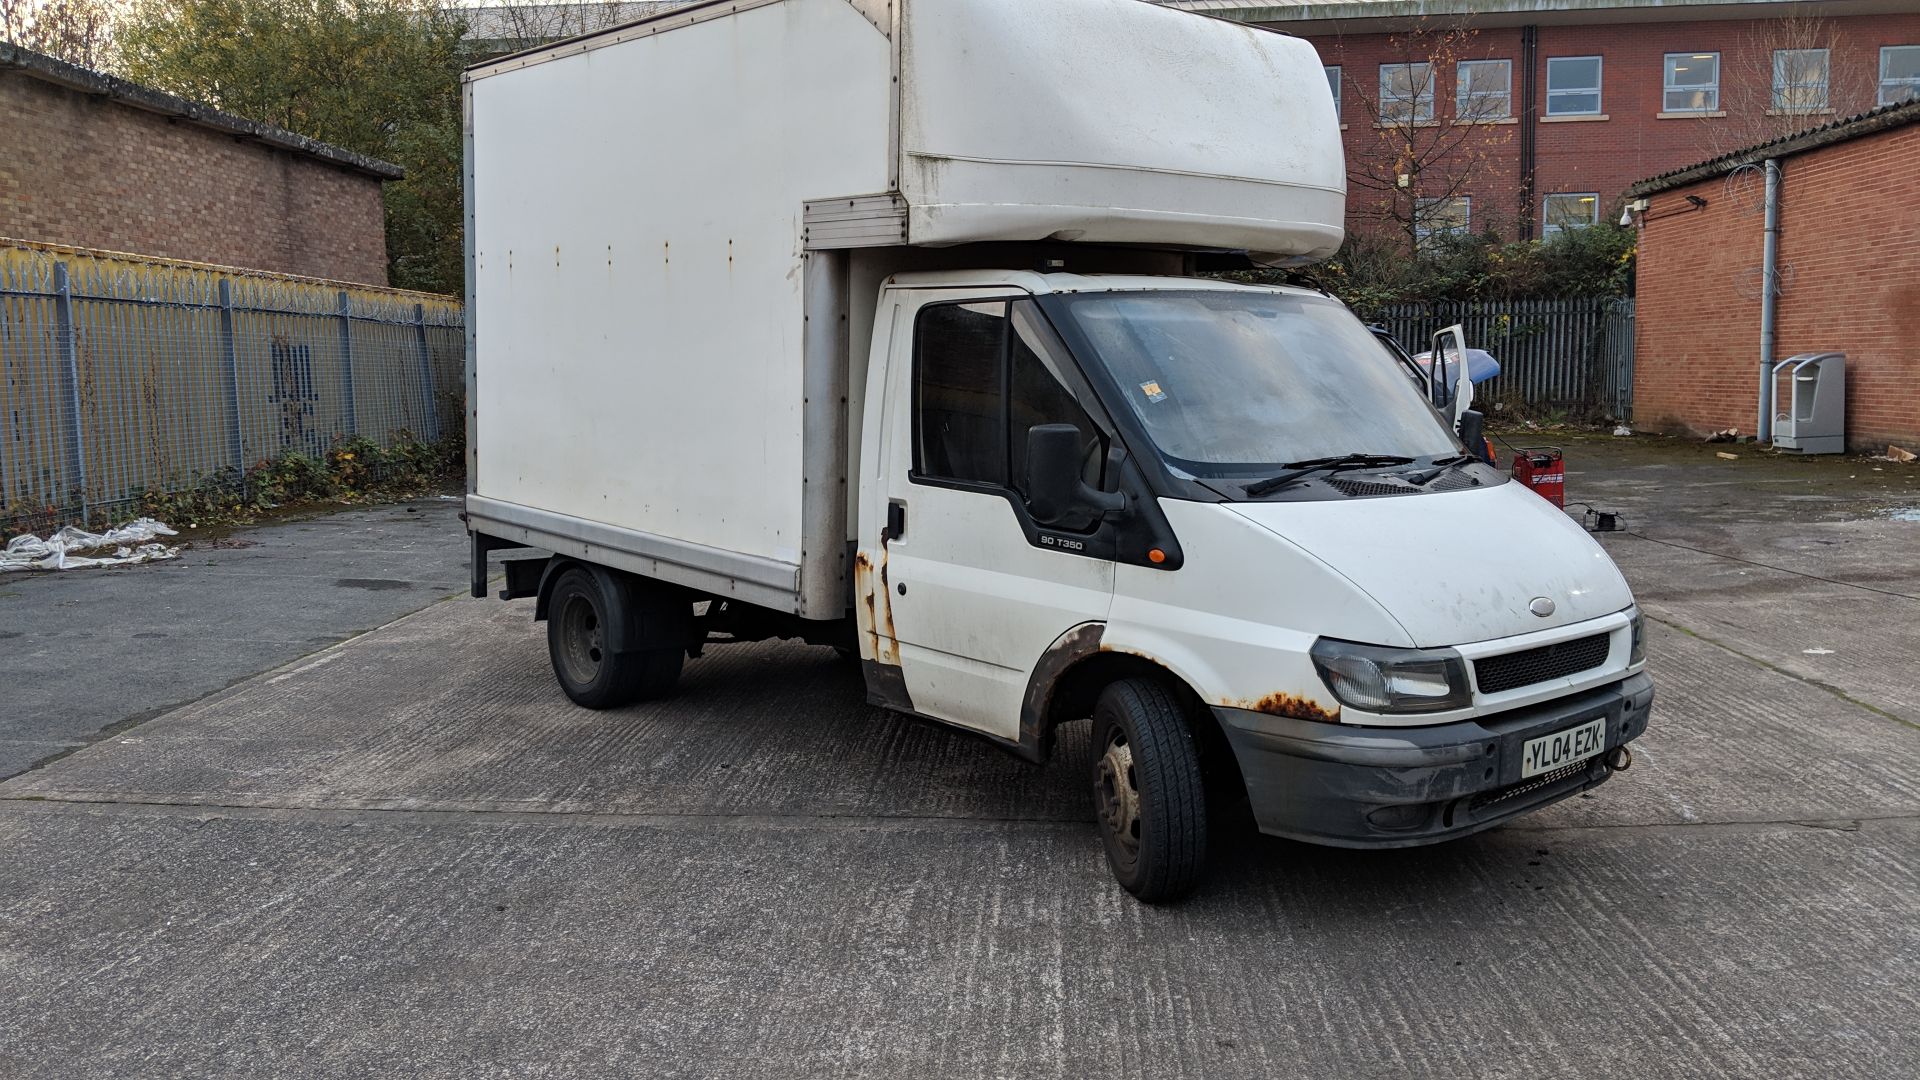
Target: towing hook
point(1619, 759)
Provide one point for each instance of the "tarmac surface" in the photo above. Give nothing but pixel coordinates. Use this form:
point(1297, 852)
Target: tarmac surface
point(408, 854)
point(88, 651)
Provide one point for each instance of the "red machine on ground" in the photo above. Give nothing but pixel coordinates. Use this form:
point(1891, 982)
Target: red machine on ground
point(1544, 470)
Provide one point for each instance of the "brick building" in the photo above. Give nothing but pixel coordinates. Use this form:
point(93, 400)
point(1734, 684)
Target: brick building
point(88, 160)
point(1530, 115)
point(1848, 266)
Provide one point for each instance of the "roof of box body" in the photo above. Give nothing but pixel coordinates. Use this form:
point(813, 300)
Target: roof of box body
point(1368, 16)
point(46, 69)
point(1884, 118)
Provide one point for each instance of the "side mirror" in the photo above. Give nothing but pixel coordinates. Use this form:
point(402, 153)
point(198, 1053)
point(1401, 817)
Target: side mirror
point(1054, 487)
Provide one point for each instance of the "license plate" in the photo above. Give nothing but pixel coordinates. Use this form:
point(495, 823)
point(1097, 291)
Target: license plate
point(1550, 752)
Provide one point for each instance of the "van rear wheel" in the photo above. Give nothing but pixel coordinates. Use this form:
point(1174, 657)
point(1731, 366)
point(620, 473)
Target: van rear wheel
point(1148, 793)
point(579, 615)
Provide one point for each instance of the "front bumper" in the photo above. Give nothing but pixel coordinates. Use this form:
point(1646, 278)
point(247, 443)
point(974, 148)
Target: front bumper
point(1402, 787)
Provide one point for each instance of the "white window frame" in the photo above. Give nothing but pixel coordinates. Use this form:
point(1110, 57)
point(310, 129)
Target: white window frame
point(1910, 83)
point(1418, 115)
point(1547, 228)
point(1783, 91)
point(1336, 80)
point(1462, 95)
point(1423, 231)
point(1667, 86)
point(1597, 89)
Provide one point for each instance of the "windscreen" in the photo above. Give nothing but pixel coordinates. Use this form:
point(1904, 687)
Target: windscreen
point(1231, 383)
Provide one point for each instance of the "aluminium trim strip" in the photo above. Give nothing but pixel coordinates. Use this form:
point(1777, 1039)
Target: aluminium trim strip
point(728, 574)
point(1123, 168)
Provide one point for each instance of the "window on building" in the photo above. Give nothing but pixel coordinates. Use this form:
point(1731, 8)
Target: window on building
point(1800, 80)
point(1693, 83)
point(1573, 86)
point(1406, 93)
point(1899, 74)
point(1450, 216)
point(1333, 84)
point(1569, 211)
point(1485, 90)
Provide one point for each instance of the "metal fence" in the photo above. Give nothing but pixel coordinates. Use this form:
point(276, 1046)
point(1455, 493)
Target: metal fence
point(1572, 355)
point(121, 376)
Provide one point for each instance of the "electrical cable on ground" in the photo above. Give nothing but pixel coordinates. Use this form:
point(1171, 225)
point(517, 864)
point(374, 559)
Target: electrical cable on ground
point(1770, 566)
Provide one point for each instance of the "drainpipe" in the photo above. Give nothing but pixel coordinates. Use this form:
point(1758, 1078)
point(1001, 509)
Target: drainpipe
point(1529, 57)
point(1769, 300)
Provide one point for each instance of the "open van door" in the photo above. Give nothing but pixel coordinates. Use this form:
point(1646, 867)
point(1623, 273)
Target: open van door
point(1453, 397)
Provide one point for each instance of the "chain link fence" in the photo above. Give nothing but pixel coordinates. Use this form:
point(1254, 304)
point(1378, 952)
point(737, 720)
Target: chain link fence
point(121, 377)
point(1571, 356)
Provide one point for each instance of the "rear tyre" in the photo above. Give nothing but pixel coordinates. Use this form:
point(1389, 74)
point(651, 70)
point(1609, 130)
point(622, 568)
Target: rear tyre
point(1148, 793)
point(579, 616)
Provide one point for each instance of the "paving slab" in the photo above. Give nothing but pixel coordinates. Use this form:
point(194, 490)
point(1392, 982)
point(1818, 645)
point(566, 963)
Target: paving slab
point(455, 709)
point(211, 943)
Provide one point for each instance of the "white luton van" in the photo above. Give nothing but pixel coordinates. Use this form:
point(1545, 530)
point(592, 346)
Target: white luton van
point(878, 324)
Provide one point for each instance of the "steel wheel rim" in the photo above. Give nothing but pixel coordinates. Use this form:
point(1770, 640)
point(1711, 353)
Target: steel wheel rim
point(580, 631)
point(1118, 795)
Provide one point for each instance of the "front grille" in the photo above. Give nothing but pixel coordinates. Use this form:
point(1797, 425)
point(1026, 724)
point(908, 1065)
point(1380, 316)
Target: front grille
point(1510, 671)
point(1527, 787)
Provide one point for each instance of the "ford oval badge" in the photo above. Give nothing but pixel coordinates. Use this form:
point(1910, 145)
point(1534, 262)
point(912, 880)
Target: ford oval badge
point(1541, 606)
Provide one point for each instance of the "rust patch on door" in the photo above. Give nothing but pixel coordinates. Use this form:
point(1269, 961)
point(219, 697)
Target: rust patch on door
point(870, 583)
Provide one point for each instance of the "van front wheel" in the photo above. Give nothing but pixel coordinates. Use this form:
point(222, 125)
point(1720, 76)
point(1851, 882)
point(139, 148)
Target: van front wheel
point(1148, 795)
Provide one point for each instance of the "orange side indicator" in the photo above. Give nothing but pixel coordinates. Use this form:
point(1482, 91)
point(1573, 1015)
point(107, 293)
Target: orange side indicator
point(1156, 556)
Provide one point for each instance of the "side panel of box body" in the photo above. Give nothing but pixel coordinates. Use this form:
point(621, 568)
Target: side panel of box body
point(638, 266)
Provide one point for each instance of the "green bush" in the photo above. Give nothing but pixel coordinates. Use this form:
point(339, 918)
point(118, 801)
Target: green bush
point(1370, 273)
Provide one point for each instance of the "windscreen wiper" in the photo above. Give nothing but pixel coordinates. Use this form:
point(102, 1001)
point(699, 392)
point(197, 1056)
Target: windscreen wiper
point(1439, 465)
point(1298, 469)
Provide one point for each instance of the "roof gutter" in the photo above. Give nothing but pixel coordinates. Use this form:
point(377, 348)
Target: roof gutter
point(46, 69)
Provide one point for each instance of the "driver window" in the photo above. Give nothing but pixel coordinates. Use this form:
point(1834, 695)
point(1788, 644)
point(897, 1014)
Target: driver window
point(958, 400)
point(984, 374)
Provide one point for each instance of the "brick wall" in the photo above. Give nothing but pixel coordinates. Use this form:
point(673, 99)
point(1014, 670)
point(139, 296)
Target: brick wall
point(91, 172)
point(1632, 143)
point(1850, 252)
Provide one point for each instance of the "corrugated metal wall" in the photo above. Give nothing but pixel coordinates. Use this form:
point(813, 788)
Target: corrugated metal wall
point(120, 376)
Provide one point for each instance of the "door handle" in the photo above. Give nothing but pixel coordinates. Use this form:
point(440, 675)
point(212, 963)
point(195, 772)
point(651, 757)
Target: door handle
point(896, 519)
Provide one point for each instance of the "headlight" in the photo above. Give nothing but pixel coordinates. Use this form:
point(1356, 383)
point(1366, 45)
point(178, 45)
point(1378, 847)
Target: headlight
point(1638, 654)
point(1383, 680)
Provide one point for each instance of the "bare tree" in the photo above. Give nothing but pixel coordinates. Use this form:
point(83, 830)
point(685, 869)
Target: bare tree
point(1782, 79)
point(1437, 111)
point(77, 31)
point(510, 26)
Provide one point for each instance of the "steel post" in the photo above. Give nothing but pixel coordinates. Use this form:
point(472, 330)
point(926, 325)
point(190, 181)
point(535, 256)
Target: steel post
point(68, 340)
point(432, 415)
point(230, 360)
point(346, 361)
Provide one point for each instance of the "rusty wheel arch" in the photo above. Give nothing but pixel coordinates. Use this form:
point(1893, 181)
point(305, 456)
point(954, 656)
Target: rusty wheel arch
point(1077, 667)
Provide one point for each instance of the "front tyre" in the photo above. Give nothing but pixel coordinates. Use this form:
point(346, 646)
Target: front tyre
point(579, 616)
point(1148, 793)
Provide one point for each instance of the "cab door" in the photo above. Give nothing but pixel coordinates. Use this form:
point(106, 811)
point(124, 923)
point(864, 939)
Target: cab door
point(960, 588)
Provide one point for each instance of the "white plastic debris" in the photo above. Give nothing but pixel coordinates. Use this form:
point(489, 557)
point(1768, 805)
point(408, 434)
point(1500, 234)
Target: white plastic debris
point(1623, 430)
point(134, 542)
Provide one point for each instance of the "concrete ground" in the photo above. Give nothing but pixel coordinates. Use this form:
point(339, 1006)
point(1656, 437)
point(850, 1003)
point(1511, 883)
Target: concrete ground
point(90, 651)
point(407, 854)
